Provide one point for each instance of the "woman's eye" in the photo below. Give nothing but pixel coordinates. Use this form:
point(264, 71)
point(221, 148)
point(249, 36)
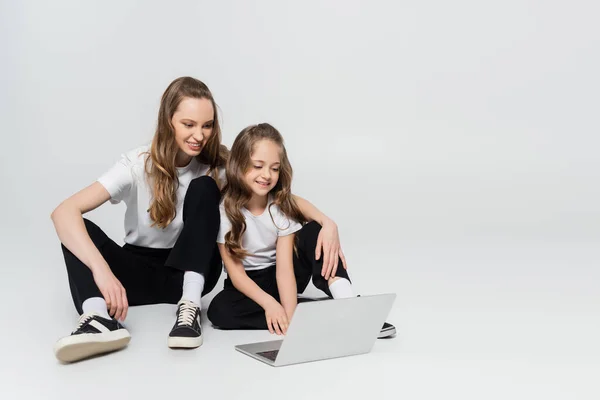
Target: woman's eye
point(188, 125)
point(276, 169)
point(208, 126)
point(257, 167)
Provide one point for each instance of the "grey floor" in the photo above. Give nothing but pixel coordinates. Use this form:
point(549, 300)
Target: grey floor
point(476, 320)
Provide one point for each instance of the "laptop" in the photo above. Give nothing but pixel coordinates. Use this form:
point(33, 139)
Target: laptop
point(326, 329)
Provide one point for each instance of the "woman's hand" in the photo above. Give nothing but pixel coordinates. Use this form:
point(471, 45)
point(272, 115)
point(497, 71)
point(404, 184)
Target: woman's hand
point(277, 320)
point(113, 292)
point(329, 241)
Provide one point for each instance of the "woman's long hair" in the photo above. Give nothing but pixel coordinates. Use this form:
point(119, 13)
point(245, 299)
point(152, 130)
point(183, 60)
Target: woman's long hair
point(237, 194)
point(161, 170)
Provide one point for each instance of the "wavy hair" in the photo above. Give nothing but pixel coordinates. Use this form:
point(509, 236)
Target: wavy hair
point(160, 163)
point(237, 194)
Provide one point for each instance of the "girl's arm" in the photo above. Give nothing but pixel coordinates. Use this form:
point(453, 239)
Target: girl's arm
point(71, 230)
point(286, 280)
point(328, 240)
point(277, 321)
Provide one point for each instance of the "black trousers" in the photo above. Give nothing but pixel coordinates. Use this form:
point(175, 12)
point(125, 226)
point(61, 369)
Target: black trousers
point(152, 276)
point(231, 309)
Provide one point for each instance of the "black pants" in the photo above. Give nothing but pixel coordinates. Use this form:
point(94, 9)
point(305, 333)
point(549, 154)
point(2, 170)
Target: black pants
point(152, 276)
point(231, 309)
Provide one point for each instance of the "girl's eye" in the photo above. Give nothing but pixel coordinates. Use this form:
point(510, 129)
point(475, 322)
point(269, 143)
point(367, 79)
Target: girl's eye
point(257, 167)
point(208, 126)
point(188, 125)
point(276, 169)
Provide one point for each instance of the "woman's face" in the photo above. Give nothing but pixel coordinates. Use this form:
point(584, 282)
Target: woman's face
point(193, 122)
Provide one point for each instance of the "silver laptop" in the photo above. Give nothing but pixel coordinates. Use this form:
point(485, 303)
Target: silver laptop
point(326, 329)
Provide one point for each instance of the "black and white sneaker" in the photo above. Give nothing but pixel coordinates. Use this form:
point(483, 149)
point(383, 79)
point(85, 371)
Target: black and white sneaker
point(186, 332)
point(94, 335)
point(386, 331)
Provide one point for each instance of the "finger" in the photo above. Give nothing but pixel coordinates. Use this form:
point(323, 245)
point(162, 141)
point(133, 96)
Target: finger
point(318, 249)
point(331, 261)
point(325, 260)
point(269, 325)
point(276, 325)
point(285, 325)
point(106, 296)
point(125, 304)
point(335, 265)
point(343, 259)
point(113, 304)
point(119, 299)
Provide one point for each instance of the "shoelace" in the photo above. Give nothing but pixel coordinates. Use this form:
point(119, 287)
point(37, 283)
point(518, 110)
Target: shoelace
point(187, 311)
point(82, 320)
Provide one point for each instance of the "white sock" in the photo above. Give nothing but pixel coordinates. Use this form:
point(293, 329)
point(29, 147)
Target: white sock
point(193, 285)
point(95, 305)
point(341, 289)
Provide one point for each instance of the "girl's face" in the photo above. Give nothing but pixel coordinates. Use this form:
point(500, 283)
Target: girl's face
point(193, 122)
point(263, 174)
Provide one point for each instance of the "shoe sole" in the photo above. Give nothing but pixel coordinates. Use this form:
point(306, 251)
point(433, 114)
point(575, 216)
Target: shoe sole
point(387, 333)
point(178, 342)
point(77, 347)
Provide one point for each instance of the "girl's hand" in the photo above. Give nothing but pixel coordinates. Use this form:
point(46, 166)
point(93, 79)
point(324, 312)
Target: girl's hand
point(329, 240)
point(113, 292)
point(277, 320)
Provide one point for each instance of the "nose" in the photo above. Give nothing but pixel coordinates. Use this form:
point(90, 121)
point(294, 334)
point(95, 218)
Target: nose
point(266, 173)
point(198, 135)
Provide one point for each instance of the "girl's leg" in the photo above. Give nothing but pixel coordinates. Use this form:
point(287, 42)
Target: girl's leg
point(231, 309)
point(305, 265)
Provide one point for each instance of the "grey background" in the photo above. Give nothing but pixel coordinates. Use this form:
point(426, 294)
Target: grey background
point(454, 143)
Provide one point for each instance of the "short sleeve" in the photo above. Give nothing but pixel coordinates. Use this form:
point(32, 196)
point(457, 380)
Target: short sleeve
point(118, 180)
point(285, 226)
point(225, 225)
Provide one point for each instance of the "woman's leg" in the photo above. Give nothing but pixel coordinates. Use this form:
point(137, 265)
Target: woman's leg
point(138, 274)
point(96, 332)
point(195, 250)
point(196, 256)
point(231, 309)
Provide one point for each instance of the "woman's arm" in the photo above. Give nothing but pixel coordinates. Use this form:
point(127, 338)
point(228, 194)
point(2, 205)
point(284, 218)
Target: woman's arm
point(286, 280)
point(69, 225)
point(68, 222)
point(277, 321)
point(328, 240)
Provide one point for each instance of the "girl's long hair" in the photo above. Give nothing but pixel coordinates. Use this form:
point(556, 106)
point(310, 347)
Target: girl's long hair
point(237, 194)
point(160, 163)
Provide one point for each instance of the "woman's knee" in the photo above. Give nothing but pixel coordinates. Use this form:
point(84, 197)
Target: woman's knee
point(203, 187)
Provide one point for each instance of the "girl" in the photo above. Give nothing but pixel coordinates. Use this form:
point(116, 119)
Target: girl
point(267, 263)
point(171, 190)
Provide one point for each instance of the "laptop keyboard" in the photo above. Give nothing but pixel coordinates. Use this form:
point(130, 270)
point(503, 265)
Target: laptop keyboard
point(269, 355)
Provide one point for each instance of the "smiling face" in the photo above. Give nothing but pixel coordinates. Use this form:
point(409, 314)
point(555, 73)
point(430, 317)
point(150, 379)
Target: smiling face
point(193, 123)
point(263, 172)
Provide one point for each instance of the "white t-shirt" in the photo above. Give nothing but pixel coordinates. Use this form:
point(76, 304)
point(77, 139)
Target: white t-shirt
point(260, 237)
point(127, 181)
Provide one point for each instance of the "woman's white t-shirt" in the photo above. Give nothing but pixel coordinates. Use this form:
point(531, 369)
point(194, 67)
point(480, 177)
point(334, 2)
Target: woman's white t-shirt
point(260, 237)
point(127, 181)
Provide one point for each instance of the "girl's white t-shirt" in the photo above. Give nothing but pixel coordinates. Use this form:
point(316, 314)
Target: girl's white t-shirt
point(127, 181)
point(260, 237)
